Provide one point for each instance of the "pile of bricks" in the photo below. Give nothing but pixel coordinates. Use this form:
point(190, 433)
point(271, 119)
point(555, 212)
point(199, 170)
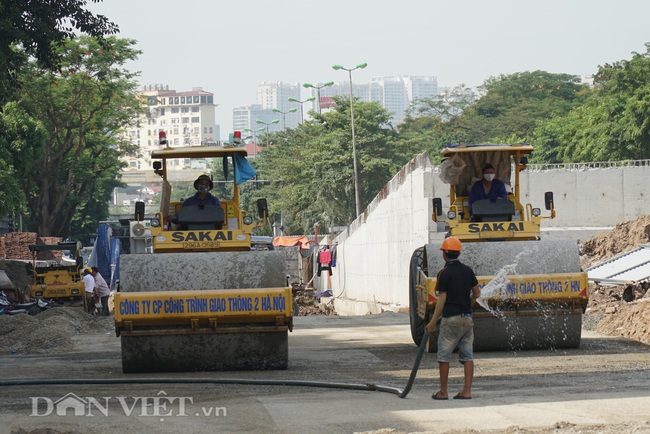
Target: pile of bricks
point(16, 245)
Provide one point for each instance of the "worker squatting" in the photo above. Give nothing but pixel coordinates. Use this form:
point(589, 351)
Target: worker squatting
point(203, 305)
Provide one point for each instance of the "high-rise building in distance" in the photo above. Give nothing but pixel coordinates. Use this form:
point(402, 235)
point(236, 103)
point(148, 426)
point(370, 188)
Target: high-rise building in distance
point(187, 118)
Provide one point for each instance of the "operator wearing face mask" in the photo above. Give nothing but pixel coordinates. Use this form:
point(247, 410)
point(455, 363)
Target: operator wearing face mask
point(203, 185)
point(487, 188)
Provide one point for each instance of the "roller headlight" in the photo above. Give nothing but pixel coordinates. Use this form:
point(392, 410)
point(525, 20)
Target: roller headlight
point(155, 222)
point(248, 220)
point(451, 215)
point(537, 212)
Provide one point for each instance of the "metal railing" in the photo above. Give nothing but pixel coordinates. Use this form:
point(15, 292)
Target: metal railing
point(587, 165)
point(540, 167)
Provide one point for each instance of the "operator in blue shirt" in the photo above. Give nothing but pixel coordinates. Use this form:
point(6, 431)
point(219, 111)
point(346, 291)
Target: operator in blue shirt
point(487, 188)
point(203, 184)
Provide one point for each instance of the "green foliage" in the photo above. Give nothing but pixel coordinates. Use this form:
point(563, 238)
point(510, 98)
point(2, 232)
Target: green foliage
point(36, 26)
point(18, 132)
point(512, 104)
point(66, 128)
point(311, 167)
point(612, 124)
point(432, 123)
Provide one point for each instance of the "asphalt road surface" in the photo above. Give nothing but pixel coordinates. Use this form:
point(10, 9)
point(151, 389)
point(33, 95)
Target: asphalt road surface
point(602, 387)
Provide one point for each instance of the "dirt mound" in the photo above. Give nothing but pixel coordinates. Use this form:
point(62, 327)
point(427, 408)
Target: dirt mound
point(48, 332)
point(309, 305)
point(624, 237)
point(618, 310)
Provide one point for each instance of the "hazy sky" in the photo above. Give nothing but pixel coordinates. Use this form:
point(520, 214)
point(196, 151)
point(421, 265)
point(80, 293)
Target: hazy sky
point(229, 47)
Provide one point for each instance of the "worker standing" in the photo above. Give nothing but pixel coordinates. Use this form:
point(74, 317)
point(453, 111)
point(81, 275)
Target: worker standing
point(89, 293)
point(457, 287)
point(102, 290)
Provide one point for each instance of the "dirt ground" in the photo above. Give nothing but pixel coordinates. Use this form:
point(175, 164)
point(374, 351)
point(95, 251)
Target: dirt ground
point(601, 387)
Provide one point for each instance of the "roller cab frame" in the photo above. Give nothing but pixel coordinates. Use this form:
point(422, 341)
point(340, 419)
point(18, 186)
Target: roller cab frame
point(499, 220)
point(204, 230)
point(526, 302)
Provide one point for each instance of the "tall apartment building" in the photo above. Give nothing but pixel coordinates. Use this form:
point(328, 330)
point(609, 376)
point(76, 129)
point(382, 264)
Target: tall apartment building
point(270, 95)
point(244, 119)
point(187, 118)
point(394, 93)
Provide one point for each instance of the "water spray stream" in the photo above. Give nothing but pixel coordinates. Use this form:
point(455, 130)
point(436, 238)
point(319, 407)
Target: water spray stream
point(496, 287)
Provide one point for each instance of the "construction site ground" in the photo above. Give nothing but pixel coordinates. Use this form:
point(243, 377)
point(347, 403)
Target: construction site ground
point(601, 387)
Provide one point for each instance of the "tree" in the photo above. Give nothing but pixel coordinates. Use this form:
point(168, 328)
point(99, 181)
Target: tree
point(61, 139)
point(512, 104)
point(612, 124)
point(34, 27)
point(432, 123)
point(311, 169)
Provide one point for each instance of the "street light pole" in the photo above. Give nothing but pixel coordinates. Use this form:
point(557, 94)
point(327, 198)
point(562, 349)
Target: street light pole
point(254, 136)
point(284, 116)
point(302, 117)
point(318, 88)
point(357, 201)
point(274, 121)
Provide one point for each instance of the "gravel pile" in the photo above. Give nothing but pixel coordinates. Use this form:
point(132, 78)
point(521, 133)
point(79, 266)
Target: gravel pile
point(48, 332)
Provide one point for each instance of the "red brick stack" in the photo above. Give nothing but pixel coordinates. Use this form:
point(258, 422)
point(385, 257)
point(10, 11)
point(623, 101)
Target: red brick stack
point(3, 254)
point(16, 245)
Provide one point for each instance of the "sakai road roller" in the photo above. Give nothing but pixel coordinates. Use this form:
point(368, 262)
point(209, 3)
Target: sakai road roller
point(56, 279)
point(533, 291)
point(192, 295)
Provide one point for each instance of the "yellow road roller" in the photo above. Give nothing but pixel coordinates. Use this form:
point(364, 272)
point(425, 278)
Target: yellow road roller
point(534, 291)
point(192, 295)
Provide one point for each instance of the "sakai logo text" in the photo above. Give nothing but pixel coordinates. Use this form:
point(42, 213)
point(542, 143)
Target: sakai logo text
point(179, 237)
point(495, 227)
point(160, 406)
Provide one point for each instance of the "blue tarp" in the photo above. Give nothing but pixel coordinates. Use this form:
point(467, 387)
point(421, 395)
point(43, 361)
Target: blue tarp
point(243, 169)
point(115, 263)
point(103, 250)
point(106, 255)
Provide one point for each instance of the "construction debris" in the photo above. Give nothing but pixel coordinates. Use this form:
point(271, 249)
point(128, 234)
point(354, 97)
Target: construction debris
point(619, 310)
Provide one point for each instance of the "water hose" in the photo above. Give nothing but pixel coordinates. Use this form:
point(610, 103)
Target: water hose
point(416, 365)
point(367, 386)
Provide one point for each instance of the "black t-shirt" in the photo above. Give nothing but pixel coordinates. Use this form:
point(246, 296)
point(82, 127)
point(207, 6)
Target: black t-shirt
point(457, 280)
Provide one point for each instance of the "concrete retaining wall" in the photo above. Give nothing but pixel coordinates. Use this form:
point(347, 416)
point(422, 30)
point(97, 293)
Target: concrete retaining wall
point(374, 252)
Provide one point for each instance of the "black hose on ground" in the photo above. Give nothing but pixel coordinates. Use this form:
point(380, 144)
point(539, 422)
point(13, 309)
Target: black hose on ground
point(369, 387)
point(416, 365)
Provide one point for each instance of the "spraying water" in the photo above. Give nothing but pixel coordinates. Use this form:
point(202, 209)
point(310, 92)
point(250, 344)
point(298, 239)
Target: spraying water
point(497, 287)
